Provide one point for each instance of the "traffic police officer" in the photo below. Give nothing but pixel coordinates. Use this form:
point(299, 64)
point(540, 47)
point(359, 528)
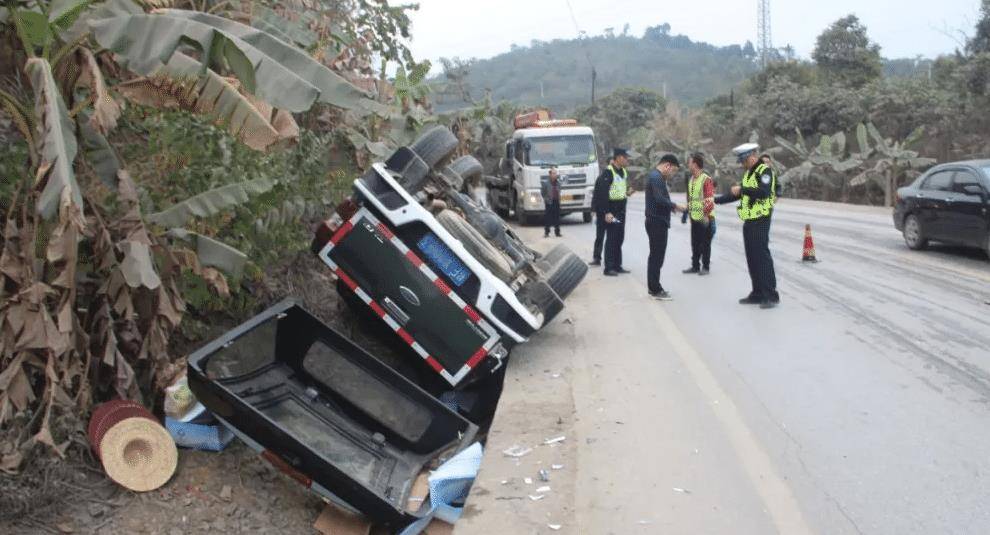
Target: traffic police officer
point(609, 202)
point(757, 195)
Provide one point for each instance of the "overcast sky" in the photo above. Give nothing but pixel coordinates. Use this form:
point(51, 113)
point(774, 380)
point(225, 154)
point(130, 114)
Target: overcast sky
point(485, 28)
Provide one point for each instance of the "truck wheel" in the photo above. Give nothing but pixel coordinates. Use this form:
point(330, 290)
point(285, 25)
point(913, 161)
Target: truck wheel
point(586, 217)
point(468, 167)
point(914, 236)
point(435, 145)
point(566, 274)
point(555, 255)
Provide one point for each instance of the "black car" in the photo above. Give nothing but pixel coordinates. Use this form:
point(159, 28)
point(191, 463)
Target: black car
point(950, 204)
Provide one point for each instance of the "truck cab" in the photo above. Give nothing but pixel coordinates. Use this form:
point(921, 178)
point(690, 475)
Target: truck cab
point(530, 154)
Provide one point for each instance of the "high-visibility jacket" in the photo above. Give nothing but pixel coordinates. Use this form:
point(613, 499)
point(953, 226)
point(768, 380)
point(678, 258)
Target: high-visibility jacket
point(696, 197)
point(620, 184)
point(752, 209)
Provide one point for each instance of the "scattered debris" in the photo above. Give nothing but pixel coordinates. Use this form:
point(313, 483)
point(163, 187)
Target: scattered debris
point(537, 497)
point(136, 451)
point(517, 451)
point(551, 441)
point(644, 522)
point(544, 475)
point(557, 466)
point(555, 527)
point(528, 480)
point(682, 491)
point(543, 489)
point(334, 520)
point(225, 493)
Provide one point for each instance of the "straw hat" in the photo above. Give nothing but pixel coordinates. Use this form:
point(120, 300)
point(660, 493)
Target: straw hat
point(136, 451)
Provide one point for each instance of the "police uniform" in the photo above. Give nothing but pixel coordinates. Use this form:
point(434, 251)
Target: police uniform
point(756, 201)
point(611, 192)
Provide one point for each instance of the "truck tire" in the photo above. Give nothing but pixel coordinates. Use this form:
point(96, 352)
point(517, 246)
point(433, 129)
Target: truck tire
point(435, 145)
point(586, 217)
point(476, 244)
point(558, 253)
point(468, 167)
point(566, 274)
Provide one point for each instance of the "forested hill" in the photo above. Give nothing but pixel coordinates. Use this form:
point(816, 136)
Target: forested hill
point(692, 71)
point(557, 73)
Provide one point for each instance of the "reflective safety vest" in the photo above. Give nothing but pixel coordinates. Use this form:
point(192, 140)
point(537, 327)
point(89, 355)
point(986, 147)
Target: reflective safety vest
point(696, 194)
point(750, 209)
point(620, 185)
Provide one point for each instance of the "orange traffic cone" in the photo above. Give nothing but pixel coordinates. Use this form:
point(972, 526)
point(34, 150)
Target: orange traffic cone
point(809, 246)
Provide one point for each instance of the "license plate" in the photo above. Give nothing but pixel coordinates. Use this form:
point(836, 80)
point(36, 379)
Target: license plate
point(567, 198)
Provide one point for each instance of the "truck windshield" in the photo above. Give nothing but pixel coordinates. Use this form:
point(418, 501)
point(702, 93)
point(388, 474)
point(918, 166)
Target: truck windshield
point(561, 150)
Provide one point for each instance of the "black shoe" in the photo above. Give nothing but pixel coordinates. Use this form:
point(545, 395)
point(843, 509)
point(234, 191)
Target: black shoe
point(750, 300)
point(704, 271)
point(775, 297)
point(547, 235)
point(662, 295)
point(689, 271)
point(559, 235)
point(610, 273)
point(622, 271)
point(768, 303)
point(595, 263)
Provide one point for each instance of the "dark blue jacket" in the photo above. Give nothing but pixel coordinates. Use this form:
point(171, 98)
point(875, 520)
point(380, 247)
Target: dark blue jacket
point(658, 203)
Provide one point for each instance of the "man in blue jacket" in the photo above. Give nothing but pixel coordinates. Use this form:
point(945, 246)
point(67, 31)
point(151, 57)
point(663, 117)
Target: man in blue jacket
point(658, 210)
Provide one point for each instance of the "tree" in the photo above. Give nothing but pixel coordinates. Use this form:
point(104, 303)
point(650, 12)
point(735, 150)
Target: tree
point(846, 55)
point(980, 42)
point(617, 114)
point(892, 160)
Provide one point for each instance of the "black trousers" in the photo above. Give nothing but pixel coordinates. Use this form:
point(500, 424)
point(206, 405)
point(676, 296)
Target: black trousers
point(615, 235)
point(656, 232)
point(701, 244)
point(599, 236)
point(756, 239)
point(551, 217)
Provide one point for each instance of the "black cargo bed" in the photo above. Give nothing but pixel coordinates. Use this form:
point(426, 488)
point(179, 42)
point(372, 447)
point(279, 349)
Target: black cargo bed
point(325, 411)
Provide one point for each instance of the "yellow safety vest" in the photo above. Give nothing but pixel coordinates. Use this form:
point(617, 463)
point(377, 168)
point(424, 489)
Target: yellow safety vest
point(619, 187)
point(750, 209)
point(696, 192)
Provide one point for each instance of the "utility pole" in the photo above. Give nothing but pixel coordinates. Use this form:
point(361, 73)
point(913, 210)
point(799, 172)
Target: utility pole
point(594, 78)
point(764, 38)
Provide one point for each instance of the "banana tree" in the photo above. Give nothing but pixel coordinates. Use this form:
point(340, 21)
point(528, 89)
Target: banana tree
point(891, 159)
point(95, 319)
point(828, 157)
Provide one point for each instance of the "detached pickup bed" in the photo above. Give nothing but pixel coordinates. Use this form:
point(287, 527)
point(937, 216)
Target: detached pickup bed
point(326, 412)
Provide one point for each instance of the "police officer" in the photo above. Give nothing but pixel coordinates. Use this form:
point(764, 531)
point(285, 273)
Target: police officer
point(609, 202)
point(757, 195)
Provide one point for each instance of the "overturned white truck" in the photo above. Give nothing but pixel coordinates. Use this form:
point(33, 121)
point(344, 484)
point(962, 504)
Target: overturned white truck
point(449, 277)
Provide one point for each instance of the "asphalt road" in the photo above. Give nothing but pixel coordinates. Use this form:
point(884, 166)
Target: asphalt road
point(860, 405)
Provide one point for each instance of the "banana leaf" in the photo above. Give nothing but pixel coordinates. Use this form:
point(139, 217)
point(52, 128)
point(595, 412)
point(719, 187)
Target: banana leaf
point(147, 42)
point(99, 153)
point(177, 85)
point(290, 31)
point(64, 13)
point(333, 88)
point(56, 138)
point(212, 253)
point(210, 202)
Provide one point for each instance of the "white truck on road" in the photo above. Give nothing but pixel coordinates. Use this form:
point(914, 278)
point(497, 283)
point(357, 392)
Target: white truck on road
point(538, 144)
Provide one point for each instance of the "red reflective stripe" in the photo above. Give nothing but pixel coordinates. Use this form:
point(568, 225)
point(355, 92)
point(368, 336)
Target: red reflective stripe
point(347, 280)
point(442, 285)
point(414, 259)
point(434, 364)
point(478, 357)
point(385, 231)
point(472, 314)
point(378, 310)
point(286, 468)
point(405, 336)
point(341, 232)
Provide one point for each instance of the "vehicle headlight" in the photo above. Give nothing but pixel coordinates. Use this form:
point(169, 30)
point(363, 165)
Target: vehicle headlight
point(534, 199)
